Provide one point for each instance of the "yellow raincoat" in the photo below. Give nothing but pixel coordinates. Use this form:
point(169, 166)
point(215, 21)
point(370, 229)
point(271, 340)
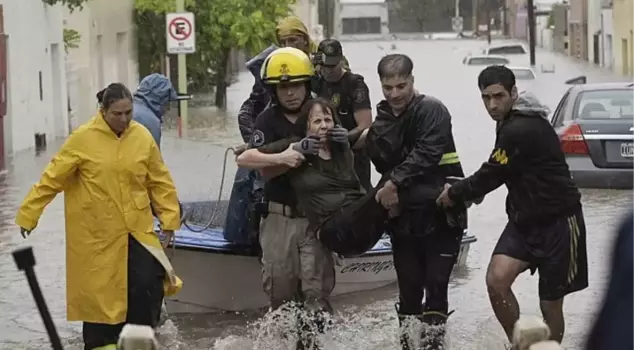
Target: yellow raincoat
point(108, 184)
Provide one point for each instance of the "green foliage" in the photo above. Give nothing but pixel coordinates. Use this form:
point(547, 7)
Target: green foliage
point(71, 4)
point(221, 25)
point(71, 39)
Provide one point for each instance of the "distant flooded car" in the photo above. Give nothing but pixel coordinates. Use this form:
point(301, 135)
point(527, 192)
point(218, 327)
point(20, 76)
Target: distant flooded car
point(485, 60)
point(505, 49)
point(595, 125)
point(523, 73)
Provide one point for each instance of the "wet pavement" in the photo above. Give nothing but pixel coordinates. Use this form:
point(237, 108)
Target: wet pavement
point(367, 320)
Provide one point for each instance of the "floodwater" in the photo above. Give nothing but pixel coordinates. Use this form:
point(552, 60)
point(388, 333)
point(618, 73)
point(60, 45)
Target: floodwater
point(367, 320)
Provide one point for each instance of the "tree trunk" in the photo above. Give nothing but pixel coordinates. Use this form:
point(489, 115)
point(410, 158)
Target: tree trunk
point(221, 80)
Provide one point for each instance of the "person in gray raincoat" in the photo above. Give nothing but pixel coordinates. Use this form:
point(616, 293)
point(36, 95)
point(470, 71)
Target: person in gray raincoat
point(151, 101)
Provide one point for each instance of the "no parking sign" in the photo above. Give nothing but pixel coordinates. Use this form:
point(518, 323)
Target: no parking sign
point(180, 33)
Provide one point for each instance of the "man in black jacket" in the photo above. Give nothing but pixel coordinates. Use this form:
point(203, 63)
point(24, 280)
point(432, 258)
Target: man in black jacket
point(411, 145)
point(546, 230)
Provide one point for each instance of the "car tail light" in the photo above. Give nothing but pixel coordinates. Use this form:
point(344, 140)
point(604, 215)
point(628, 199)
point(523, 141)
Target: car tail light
point(572, 141)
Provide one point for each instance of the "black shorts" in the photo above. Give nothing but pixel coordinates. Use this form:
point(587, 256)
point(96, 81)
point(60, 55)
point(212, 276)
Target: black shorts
point(557, 250)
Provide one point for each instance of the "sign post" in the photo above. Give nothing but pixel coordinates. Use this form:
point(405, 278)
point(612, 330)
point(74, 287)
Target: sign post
point(181, 40)
point(457, 24)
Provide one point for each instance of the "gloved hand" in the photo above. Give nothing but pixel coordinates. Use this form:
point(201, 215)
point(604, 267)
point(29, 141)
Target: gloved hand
point(24, 232)
point(309, 145)
point(338, 134)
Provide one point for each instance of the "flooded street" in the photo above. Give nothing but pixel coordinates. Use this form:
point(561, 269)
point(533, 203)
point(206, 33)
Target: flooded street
point(368, 320)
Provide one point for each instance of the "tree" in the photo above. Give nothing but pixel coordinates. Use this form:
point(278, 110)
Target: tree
point(221, 25)
point(71, 39)
point(71, 4)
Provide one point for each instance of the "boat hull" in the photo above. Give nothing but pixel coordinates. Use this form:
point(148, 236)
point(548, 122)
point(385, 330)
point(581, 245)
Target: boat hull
point(217, 280)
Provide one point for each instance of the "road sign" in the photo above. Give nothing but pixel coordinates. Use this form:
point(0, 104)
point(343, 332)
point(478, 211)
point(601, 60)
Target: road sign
point(181, 33)
point(456, 24)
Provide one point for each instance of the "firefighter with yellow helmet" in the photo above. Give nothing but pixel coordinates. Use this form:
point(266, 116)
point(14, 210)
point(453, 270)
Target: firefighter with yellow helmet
point(296, 266)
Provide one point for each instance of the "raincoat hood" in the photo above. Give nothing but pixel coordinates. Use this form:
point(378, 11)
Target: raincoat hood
point(287, 26)
point(155, 90)
point(293, 25)
point(528, 104)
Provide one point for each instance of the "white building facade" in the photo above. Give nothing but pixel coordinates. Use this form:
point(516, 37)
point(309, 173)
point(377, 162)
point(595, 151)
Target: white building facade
point(308, 12)
point(362, 18)
point(35, 89)
point(606, 58)
point(106, 53)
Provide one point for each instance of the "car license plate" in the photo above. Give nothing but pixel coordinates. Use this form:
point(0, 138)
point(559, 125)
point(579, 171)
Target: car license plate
point(627, 149)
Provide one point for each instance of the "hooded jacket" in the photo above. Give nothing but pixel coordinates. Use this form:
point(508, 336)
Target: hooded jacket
point(154, 92)
point(259, 97)
point(528, 159)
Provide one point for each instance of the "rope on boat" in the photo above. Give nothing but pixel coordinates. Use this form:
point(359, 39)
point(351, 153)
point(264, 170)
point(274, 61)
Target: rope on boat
point(217, 207)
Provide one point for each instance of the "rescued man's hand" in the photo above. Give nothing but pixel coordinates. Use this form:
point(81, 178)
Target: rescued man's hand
point(444, 200)
point(387, 196)
point(290, 157)
point(307, 146)
point(338, 134)
point(168, 235)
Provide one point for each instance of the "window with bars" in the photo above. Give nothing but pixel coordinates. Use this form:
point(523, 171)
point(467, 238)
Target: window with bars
point(361, 25)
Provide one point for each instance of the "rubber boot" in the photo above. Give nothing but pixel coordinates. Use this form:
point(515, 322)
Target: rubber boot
point(308, 332)
point(434, 329)
point(405, 322)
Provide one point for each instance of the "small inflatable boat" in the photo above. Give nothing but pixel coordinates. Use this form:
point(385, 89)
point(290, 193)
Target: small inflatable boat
point(222, 276)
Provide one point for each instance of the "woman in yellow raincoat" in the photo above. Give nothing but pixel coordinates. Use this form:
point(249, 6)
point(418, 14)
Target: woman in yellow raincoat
point(110, 170)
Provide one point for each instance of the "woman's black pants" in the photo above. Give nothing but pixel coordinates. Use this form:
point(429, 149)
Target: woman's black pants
point(145, 296)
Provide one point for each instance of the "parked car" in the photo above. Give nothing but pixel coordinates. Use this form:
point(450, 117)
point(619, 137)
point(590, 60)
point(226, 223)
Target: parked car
point(595, 125)
point(505, 49)
point(485, 60)
point(523, 73)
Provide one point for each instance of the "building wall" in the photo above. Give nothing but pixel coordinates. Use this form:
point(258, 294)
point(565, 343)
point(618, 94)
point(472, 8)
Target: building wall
point(306, 10)
point(594, 28)
point(363, 9)
point(560, 30)
point(623, 36)
point(578, 29)
point(36, 91)
point(106, 53)
point(607, 48)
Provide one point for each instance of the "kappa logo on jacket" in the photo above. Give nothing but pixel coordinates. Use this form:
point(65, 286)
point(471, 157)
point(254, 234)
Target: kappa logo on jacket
point(500, 156)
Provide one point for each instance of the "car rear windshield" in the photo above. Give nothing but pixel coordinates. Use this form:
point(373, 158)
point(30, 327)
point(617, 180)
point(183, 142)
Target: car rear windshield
point(481, 61)
point(507, 50)
point(606, 104)
point(523, 74)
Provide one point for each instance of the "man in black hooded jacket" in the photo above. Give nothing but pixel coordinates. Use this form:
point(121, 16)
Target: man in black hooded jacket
point(411, 145)
point(546, 230)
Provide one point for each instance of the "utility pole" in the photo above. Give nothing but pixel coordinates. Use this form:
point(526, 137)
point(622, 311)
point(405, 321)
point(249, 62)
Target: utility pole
point(182, 79)
point(531, 30)
point(475, 8)
point(487, 9)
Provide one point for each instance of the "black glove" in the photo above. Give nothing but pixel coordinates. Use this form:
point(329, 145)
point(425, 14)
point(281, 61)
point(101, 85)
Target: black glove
point(338, 134)
point(307, 146)
point(24, 232)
